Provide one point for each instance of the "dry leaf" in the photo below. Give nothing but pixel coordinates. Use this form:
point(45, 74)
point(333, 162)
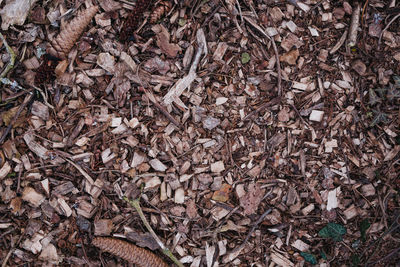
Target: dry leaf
point(222, 195)
point(163, 43)
point(290, 57)
point(251, 200)
point(143, 240)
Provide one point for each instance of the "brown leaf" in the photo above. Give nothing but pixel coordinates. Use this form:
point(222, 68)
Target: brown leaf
point(222, 195)
point(163, 41)
point(143, 240)
point(251, 200)
point(290, 57)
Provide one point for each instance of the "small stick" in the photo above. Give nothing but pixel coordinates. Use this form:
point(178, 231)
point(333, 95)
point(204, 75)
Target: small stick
point(135, 203)
point(274, 101)
point(386, 27)
point(14, 119)
point(4, 264)
point(239, 248)
point(153, 99)
point(278, 62)
point(354, 23)
point(339, 43)
point(11, 63)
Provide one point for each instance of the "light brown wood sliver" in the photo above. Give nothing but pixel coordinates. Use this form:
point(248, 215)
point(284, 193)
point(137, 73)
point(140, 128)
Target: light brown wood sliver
point(129, 252)
point(66, 39)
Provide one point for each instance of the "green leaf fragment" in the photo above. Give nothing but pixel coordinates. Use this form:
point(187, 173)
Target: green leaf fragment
point(309, 257)
point(245, 58)
point(364, 225)
point(393, 93)
point(323, 255)
point(355, 260)
point(379, 117)
point(181, 22)
point(334, 231)
point(396, 81)
point(373, 97)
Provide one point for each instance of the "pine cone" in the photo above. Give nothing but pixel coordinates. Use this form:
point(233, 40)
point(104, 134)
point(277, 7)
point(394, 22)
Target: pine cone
point(62, 44)
point(129, 252)
point(163, 8)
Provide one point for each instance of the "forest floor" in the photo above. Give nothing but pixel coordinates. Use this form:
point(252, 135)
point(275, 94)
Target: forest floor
point(252, 133)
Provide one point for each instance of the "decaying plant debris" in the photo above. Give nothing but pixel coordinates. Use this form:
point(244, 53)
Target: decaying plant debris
point(254, 133)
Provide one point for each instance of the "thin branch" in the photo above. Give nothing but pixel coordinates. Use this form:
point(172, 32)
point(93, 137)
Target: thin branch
point(273, 102)
point(278, 62)
point(11, 53)
point(354, 23)
point(135, 203)
point(4, 264)
point(239, 248)
point(153, 99)
point(386, 27)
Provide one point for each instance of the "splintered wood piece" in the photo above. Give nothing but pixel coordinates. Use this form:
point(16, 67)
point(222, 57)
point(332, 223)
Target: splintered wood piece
point(62, 44)
point(129, 252)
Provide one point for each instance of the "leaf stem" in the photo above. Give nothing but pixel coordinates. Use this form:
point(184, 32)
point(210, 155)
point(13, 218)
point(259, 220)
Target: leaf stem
point(136, 204)
point(11, 63)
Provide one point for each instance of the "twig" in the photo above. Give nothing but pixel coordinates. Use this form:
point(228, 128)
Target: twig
point(135, 203)
point(175, 92)
point(388, 256)
point(14, 119)
point(339, 43)
point(386, 27)
point(273, 102)
point(240, 11)
point(4, 264)
point(82, 171)
point(216, 8)
point(153, 99)
point(11, 63)
point(363, 11)
point(278, 62)
point(391, 228)
point(354, 23)
point(298, 114)
point(239, 248)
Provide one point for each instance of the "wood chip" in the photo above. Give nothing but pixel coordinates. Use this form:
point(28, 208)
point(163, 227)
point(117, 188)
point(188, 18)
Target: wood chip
point(34, 198)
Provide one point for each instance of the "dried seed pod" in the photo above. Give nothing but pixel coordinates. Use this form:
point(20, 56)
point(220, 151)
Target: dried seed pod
point(160, 10)
point(129, 252)
point(62, 44)
point(133, 19)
